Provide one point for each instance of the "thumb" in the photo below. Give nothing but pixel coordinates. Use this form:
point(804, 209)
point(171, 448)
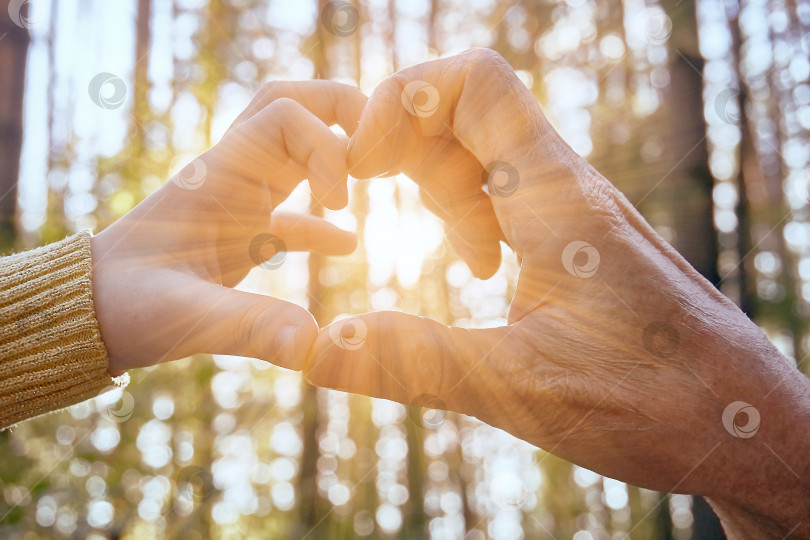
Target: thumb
point(405, 358)
point(245, 324)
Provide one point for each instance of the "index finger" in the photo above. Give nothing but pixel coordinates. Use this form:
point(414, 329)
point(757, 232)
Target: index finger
point(438, 122)
point(460, 123)
point(474, 97)
point(332, 102)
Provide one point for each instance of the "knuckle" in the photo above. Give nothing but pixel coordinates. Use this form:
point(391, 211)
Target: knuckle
point(284, 107)
point(270, 89)
point(483, 56)
point(392, 86)
point(284, 103)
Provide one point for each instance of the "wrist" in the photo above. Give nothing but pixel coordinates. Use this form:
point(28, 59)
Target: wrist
point(54, 353)
point(739, 522)
point(772, 500)
point(103, 302)
point(770, 511)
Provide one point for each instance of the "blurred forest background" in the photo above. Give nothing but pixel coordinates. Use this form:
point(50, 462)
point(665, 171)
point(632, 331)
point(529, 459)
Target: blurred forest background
point(699, 112)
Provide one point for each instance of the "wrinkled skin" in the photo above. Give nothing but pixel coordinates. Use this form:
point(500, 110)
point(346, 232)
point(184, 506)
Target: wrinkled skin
point(163, 274)
point(625, 369)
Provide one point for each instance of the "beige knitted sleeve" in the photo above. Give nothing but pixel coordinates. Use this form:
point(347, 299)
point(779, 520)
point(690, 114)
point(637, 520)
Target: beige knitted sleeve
point(51, 353)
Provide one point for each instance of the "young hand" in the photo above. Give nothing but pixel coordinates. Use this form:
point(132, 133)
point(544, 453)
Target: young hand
point(163, 274)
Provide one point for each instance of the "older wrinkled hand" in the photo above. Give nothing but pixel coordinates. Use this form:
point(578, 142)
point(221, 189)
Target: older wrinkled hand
point(618, 355)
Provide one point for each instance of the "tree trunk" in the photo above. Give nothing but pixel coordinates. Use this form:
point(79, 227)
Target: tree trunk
point(13, 54)
point(140, 105)
point(310, 508)
point(690, 180)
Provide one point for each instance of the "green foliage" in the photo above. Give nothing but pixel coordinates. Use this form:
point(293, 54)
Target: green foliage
point(220, 448)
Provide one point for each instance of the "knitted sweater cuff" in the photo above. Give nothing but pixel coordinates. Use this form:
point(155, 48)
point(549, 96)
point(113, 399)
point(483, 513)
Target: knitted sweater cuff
point(51, 352)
